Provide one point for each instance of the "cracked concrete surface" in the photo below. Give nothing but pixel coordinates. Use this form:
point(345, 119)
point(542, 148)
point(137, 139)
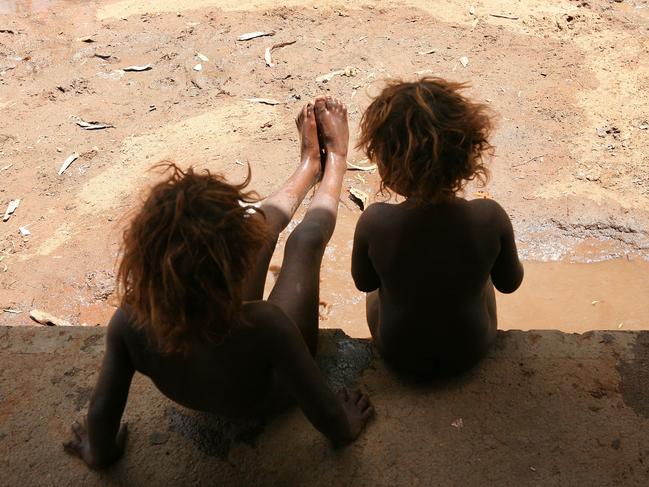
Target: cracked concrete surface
point(544, 408)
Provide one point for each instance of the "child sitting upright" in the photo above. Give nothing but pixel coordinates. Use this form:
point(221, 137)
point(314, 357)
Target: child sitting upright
point(430, 263)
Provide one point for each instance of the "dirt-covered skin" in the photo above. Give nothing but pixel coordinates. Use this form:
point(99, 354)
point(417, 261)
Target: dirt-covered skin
point(554, 76)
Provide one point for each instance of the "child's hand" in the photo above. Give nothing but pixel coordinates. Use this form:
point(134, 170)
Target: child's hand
point(80, 446)
point(358, 410)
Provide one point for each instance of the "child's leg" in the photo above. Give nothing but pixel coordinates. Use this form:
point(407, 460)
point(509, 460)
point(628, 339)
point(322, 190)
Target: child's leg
point(280, 207)
point(298, 286)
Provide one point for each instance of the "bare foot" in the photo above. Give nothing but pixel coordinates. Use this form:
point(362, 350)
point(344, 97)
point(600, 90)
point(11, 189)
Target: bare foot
point(308, 129)
point(331, 115)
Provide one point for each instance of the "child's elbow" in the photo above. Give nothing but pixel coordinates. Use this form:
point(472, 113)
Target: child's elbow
point(366, 285)
point(509, 284)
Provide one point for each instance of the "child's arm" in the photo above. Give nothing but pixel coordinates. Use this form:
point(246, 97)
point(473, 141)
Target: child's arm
point(101, 442)
point(342, 418)
point(507, 271)
point(363, 272)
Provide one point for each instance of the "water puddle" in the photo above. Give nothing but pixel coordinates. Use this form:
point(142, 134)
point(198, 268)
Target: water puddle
point(609, 295)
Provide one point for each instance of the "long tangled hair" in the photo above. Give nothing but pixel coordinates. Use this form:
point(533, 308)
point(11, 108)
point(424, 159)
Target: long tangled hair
point(427, 139)
point(185, 255)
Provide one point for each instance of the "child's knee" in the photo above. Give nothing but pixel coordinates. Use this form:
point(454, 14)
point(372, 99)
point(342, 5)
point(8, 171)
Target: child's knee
point(308, 235)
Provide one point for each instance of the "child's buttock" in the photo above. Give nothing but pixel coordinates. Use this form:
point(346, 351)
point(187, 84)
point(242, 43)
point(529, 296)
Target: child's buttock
point(432, 345)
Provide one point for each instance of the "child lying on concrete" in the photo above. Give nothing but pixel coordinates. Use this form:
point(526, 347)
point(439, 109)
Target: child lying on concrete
point(430, 263)
point(192, 316)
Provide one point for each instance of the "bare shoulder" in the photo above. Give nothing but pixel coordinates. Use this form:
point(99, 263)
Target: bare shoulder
point(376, 210)
point(376, 213)
point(489, 211)
point(122, 332)
point(119, 325)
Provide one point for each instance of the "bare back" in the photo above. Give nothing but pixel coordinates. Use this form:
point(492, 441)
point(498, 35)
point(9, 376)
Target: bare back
point(233, 377)
point(433, 267)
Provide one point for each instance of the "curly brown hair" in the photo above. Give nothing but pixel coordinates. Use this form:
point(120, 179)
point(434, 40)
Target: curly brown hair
point(426, 138)
point(185, 254)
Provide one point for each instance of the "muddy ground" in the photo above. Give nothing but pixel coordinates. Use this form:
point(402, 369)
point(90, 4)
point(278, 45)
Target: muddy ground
point(566, 79)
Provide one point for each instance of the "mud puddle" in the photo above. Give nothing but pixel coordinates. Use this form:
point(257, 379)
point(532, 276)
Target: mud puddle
point(579, 297)
point(574, 298)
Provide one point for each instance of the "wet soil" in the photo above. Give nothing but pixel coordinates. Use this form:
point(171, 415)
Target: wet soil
point(563, 79)
point(573, 297)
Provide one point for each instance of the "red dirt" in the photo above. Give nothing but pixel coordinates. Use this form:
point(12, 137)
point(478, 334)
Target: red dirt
point(554, 76)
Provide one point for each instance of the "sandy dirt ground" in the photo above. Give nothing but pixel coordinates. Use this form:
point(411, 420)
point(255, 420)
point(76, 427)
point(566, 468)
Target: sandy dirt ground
point(566, 79)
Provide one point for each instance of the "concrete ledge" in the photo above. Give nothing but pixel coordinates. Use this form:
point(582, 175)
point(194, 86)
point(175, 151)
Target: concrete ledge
point(545, 408)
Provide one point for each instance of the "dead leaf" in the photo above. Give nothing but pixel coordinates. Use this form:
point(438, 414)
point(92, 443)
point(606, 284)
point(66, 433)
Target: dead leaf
point(268, 58)
point(357, 167)
point(253, 35)
point(325, 78)
point(144, 67)
point(264, 101)
point(268, 53)
point(90, 125)
point(71, 158)
point(11, 208)
point(359, 197)
point(45, 318)
point(282, 44)
point(505, 16)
